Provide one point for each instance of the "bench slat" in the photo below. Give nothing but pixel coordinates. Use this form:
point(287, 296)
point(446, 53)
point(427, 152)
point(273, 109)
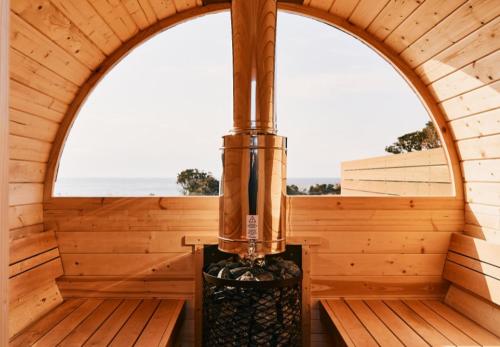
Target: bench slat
point(357, 332)
point(421, 327)
point(82, 333)
point(442, 325)
point(406, 334)
point(469, 327)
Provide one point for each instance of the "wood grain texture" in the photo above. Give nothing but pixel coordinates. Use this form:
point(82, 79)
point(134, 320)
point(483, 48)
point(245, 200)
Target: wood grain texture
point(4, 171)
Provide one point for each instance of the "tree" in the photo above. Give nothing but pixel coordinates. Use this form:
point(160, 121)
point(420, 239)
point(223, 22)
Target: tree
point(324, 189)
point(196, 182)
point(293, 189)
point(424, 139)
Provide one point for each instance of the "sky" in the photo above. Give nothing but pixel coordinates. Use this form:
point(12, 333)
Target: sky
point(165, 106)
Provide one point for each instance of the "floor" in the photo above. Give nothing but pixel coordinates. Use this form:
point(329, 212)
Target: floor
point(104, 322)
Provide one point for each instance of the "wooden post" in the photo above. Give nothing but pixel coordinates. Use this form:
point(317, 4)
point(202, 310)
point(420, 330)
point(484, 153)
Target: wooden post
point(306, 295)
point(4, 172)
point(198, 295)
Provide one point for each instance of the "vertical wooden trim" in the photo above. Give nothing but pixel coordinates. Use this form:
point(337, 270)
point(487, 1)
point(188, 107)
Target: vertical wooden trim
point(4, 171)
point(306, 295)
point(198, 294)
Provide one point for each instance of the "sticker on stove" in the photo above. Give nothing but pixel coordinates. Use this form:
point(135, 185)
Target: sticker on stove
point(252, 227)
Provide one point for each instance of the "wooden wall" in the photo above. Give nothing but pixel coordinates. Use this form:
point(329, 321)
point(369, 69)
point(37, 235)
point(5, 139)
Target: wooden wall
point(134, 246)
point(448, 50)
point(424, 173)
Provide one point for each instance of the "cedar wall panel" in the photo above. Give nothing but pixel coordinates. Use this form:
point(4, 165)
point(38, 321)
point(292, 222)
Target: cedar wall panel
point(133, 247)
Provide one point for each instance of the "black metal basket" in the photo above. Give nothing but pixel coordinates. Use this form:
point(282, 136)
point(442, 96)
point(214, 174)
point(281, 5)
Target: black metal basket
point(251, 313)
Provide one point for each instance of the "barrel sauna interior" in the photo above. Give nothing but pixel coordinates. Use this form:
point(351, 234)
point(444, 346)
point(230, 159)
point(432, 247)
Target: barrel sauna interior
point(58, 250)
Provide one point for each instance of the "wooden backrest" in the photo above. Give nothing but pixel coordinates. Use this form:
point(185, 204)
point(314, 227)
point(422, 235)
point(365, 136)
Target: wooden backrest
point(474, 264)
point(34, 260)
point(473, 267)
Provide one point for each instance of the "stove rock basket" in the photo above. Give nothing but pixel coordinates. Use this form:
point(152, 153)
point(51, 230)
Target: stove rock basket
point(251, 313)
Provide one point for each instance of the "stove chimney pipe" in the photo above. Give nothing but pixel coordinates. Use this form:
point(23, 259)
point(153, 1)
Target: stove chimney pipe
point(253, 186)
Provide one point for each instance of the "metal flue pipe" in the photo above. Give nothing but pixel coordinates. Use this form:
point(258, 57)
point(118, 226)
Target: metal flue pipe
point(253, 186)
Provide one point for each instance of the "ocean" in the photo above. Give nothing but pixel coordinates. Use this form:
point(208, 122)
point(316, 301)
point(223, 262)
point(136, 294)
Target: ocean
point(121, 187)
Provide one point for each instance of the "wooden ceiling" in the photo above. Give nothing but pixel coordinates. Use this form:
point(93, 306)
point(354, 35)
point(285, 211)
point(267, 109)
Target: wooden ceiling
point(450, 47)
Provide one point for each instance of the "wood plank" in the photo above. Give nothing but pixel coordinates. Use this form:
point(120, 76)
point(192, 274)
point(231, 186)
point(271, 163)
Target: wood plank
point(469, 17)
point(394, 13)
point(377, 329)
point(336, 323)
point(47, 19)
point(475, 75)
point(478, 249)
point(393, 188)
point(469, 327)
point(108, 330)
point(31, 245)
point(377, 264)
point(162, 8)
point(151, 265)
point(476, 101)
point(475, 308)
point(484, 286)
point(129, 333)
point(66, 326)
point(25, 215)
point(32, 101)
point(161, 324)
point(90, 23)
point(366, 11)
point(482, 215)
point(357, 332)
point(343, 8)
point(431, 174)
point(27, 264)
point(424, 18)
point(4, 170)
point(37, 330)
point(141, 11)
point(321, 4)
point(84, 331)
point(126, 287)
point(117, 17)
point(28, 281)
point(481, 170)
point(35, 45)
point(31, 307)
point(25, 193)
point(453, 334)
point(487, 147)
point(481, 232)
point(21, 171)
point(424, 329)
point(478, 125)
point(398, 326)
point(476, 45)
point(23, 148)
point(476, 265)
point(29, 72)
point(28, 125)
point(378, 286)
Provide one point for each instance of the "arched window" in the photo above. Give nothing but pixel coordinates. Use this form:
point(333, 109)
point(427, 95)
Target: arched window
point(164, 108)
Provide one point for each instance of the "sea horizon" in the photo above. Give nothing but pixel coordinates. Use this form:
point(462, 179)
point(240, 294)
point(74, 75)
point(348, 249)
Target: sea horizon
point(146, 186)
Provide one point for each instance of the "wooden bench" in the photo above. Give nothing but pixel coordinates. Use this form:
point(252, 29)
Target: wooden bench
point(469, 315)
point(103, 322)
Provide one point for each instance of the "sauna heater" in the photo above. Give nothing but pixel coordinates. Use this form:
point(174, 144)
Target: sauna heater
point(252, 280)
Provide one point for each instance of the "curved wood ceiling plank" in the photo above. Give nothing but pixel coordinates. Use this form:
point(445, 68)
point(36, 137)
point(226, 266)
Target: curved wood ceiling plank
point(183, 5)
point(163, 8)
point(393, 14)
point(117, 17)
point(37, 46)
point(366, 11)
point(463, 52)
point(344, 8)
point(46, 18)
point(467, 18)
point(419, 22)
point(141, 11)
point(85, 17)
point(31, 73)
point(324, 5)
